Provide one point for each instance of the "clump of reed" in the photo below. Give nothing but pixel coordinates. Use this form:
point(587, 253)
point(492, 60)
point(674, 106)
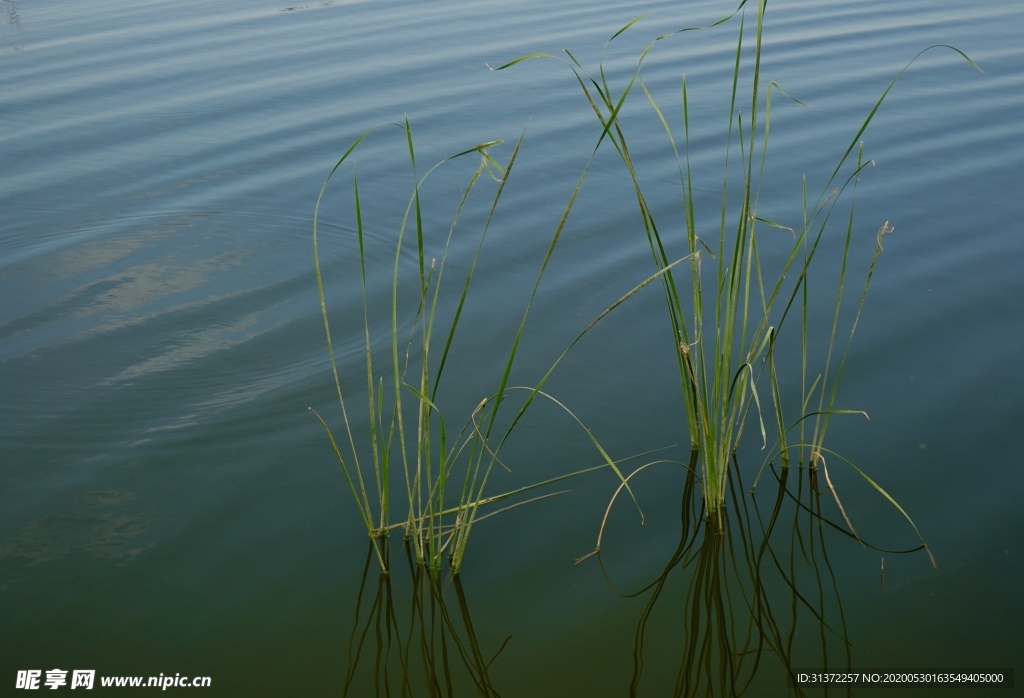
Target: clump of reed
point(445, 471)
point(726, 305)
point(405, 431)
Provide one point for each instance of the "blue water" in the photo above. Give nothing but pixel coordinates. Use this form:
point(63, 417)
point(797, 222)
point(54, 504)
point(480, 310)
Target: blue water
point(169, 505)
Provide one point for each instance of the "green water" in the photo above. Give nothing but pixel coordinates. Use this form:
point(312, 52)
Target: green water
point(168, 505)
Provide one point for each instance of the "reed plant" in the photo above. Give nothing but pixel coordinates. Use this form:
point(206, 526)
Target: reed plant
point(727, 305)
point(405, 431)
point(445, 471)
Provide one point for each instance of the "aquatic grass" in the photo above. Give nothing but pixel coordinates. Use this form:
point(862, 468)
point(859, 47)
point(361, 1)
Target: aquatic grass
point(725, 324)
point(446, 472)
point(412, 438)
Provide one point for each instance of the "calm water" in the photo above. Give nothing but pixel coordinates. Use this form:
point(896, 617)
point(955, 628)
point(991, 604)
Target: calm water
point(168, 504)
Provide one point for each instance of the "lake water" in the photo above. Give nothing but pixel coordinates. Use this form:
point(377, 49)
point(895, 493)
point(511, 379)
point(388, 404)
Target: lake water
point(168, 504)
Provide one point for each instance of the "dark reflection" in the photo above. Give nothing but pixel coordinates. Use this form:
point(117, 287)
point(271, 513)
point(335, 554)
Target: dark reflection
point(759, 596)
point(13, 18)
point(104, 523)
point(419, 648)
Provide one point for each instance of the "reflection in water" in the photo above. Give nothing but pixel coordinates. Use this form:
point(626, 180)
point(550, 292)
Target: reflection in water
point(99, 522)
point(421, 649)
point(12, 14)
point(741, 606)
point(760, 596)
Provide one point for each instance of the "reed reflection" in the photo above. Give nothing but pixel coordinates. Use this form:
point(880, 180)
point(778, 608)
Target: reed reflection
point(427, 646)
point(747, 596)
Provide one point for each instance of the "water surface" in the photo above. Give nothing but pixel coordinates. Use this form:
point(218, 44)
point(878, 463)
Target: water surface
point(170, 506)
